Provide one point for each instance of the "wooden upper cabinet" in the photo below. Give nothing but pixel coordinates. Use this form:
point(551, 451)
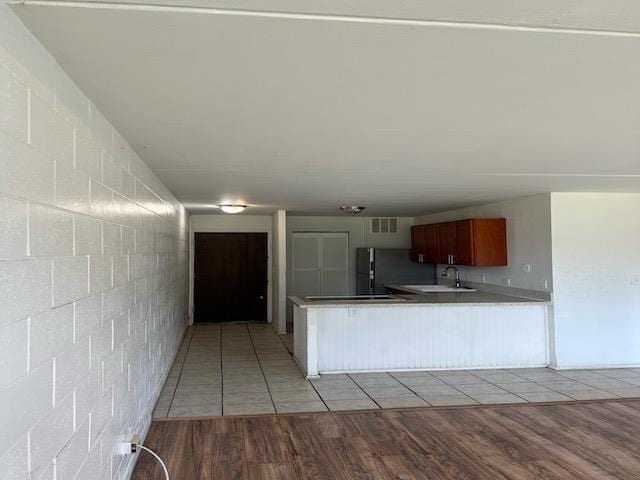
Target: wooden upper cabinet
point(489, 242)
point(431, 244)
point(477, 242)
point(447, 241)
point(464, 252)
point(417, 243)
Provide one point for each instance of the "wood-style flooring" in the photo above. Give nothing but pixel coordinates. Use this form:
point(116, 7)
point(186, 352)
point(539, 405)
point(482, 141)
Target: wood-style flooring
point(591, 440)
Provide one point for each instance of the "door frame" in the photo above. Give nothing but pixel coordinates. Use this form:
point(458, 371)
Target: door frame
point(246, 229)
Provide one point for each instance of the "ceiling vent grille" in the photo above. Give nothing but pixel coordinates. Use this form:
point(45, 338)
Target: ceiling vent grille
point(384, 225)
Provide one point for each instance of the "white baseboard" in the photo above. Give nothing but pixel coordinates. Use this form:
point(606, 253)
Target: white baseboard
point(593, 367)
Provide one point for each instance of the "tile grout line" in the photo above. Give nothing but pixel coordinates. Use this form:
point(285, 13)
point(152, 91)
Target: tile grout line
point(551, 390)
point(421, 397)
point(285, 345)
point(319, 394)
point(493, 384)
point(364, 391)
point(306, 379)
point(555, 391)
point(261, 369)
point(605, 377)
point(186, 354)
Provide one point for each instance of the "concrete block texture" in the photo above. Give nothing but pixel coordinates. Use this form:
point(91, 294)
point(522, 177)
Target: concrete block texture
point(93, 275)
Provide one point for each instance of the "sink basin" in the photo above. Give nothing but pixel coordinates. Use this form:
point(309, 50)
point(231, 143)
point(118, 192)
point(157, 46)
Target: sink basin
point(435, 288)
point(350, 298)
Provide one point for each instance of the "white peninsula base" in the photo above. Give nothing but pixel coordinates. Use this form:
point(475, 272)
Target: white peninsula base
point(379, 337)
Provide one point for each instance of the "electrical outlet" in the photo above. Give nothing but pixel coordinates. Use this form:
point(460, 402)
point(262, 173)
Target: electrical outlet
point(635, 280)
point(126, 444)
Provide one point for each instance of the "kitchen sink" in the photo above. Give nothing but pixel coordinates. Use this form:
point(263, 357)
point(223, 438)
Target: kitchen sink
point(435, 289)
point(323, 298)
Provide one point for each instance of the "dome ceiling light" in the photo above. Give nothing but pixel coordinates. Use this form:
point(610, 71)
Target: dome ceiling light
point(232, 209)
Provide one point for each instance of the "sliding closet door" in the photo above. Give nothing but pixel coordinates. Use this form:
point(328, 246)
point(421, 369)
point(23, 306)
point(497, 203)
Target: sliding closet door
point(306, 264)
point(334, 258)
point(320, 263)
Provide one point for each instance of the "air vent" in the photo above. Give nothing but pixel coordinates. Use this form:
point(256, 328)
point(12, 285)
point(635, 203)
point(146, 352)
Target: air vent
point(384, 225)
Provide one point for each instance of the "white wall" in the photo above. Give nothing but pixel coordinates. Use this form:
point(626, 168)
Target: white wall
point(93, 267)
point(280, 271)
point(234, 223)
point(528, 241)
point(595, 254)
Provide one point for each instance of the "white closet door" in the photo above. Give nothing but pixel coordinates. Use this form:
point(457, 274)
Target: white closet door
point(320, 263)
point(334, 250)
point(306, 264)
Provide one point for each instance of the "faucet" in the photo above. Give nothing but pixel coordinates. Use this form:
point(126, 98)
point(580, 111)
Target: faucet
point(446, 273)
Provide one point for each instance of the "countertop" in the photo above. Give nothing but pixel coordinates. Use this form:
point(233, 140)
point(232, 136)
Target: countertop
point(426, 299)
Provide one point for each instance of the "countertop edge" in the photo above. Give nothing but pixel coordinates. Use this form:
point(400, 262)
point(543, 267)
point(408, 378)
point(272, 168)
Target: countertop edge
point(415, 303)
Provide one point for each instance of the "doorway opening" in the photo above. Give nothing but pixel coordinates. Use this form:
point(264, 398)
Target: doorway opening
point(230, 277)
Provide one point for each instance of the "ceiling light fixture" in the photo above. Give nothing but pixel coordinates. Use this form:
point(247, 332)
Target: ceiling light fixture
point(232, 208)
point(352, 209)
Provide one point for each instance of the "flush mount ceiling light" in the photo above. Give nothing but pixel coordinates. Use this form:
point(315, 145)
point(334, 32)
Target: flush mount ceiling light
point(352, 209)
point(232, 208)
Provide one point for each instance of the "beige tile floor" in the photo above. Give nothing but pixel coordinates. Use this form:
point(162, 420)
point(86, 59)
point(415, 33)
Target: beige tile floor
point(247, 369)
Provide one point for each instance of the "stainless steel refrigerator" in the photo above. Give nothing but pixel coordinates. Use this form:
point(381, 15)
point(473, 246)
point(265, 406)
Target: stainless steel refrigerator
point(378, 267)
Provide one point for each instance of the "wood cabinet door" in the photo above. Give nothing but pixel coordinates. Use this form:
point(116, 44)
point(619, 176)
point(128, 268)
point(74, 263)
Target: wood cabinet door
point(446, 241)
point(490, 242)
point(417, 243)
point(431, 251)
point(464, 243)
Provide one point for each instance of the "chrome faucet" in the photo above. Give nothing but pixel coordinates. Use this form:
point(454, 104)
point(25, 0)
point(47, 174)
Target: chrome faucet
point(446, 273)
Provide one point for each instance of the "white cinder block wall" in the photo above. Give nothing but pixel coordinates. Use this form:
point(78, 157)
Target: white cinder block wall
point(596, 278)
point(93, 275)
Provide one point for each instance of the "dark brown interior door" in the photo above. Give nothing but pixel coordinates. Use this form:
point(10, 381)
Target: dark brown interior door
point(230, 277)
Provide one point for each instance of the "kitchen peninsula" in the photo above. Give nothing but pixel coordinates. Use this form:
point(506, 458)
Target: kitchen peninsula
point(429, 331)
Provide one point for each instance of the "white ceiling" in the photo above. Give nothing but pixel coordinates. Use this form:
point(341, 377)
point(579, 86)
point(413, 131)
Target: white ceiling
point(404, 107)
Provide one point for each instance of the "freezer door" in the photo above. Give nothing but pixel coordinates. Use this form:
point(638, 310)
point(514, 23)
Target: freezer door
point(365, 260)
point(364, 284)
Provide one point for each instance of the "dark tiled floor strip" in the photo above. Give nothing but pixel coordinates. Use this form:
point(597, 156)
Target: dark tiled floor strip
point(247, 369)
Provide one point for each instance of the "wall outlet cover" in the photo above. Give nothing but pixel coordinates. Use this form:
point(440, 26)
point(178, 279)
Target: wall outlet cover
point(635, 280)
